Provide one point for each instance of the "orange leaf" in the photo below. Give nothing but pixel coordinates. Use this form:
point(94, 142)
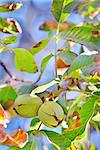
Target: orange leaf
point(18, 138)
point(4, 117)
point(61, 64)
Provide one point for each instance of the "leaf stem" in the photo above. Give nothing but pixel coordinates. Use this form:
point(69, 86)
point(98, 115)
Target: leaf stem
point(11, 50)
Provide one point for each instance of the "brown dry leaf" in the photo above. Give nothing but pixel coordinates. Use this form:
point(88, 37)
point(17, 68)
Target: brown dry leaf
point(18, 138)
point(10, 7)
point(76, 122)
point(61, 66)
point(51, 25)
point(96, 33)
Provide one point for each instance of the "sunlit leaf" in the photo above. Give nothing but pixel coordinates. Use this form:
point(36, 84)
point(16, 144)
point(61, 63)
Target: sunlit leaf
point(61, 9)
point(10, 7)
point(24, 61)
point(10, 40)
point(7, 95)
point(39, 46)
point(81, 62)
point(96, 117)
point(73, 147)
point(82, 35)
point(44, 87)
point(35, 123)
point(9, 25)
point(4, 119)
point(3, 48)
point(45, 62)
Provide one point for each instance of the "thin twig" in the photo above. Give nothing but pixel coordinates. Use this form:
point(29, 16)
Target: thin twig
point(10, 74)
point(6, 69)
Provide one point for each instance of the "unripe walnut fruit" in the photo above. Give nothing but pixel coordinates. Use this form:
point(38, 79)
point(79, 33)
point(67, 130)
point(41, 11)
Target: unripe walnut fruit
point(27, 106)
point(51, 114)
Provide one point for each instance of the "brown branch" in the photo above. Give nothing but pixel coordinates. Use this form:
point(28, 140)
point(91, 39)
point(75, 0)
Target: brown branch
point(6, 69)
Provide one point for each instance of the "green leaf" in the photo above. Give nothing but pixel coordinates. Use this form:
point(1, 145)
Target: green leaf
point(24, 61)
point(64, 140)
point(96, 117)
point(25, 88)
point(10, 7)
point(88, 105)
point(45, 62)
point(77, 101)
point(63, 102)
point(81, 62)
point(61, 9)
point(7, 94)
point(82, 35)
point(44, 87)
point(10, 40)
point(39, 46)
point(35, 123)
point(28, 146)
point(58, 140)
point(67, 56)
point(9, 25)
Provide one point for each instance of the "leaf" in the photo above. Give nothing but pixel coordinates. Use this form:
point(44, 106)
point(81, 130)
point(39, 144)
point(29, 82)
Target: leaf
point(67, 56)
point(52, 25)
point(9, 25)
point(10, 7)
point(96, 117)
point(64, 140)
point(7, 94)
point(81, 62)
point(39, 46)
point(28, 146)
point(63, 102)
point(3, 48)
point(3, 118)
point(61, 64)
point(45, 62)
point(77, 101)
point(35, 123)
point(82, 35)
point(58, 140)
point(60, 9)
point(18, 138)
point(10, 40)
point(24, 61)
point(44, 87)
point(25, 88)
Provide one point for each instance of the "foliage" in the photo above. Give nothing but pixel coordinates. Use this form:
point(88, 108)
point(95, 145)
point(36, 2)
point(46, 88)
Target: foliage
point(76, 71)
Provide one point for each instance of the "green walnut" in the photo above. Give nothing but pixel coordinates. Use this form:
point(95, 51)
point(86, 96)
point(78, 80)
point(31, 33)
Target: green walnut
point(27, 106)
point(51, 114)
